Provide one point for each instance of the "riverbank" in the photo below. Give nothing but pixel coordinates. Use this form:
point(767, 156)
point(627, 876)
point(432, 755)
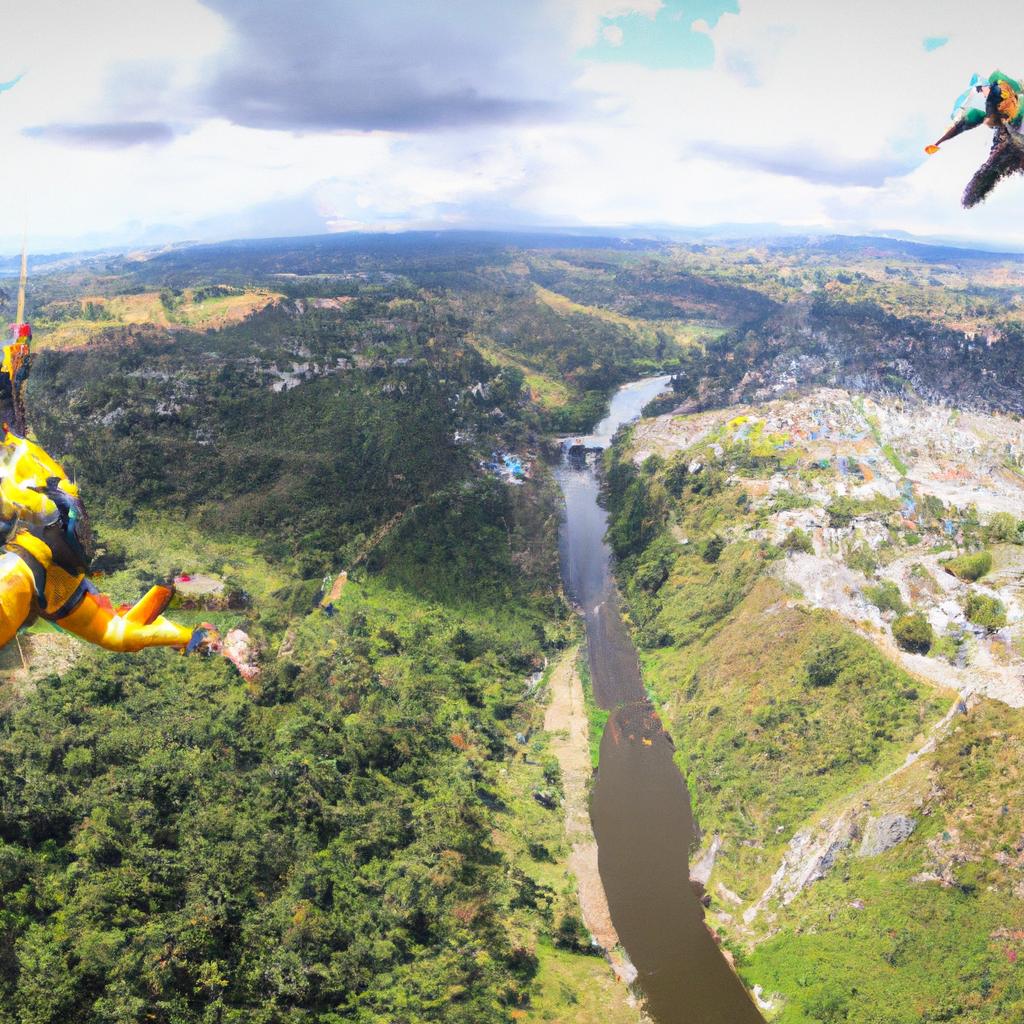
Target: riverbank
point(568, 726)
point(556, 849)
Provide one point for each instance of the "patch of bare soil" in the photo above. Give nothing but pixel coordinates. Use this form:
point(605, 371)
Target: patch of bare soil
point(30, 656)
point(566, 720)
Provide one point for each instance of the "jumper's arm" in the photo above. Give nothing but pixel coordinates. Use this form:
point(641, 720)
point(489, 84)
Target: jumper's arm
point(141, 626)
point(970, 120)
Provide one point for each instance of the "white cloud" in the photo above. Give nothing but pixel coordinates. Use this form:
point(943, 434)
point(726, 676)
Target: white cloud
point(834, 87)
point(812, 114)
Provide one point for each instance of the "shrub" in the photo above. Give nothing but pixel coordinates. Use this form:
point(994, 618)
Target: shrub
point(655, 565)
point(799, 540)
point(708, 482)
point(713, 548)
point(984, 611)
point(826, 659)
point(676, 475)
point(842, 512)
point(571, 933)
point(886, 597)
point(913, 632)
point(651, 575)
point(933, 508)
point(944, 647)
point(969, 567)
point(787, 499)
point(652, 464)
point(863, 559)
point(1003, 528)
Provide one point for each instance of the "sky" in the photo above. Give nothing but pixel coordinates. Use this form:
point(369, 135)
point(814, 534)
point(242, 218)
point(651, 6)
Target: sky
point(144, 122)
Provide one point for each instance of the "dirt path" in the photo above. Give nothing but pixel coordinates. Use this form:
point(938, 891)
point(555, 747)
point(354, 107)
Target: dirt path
point(566, 720)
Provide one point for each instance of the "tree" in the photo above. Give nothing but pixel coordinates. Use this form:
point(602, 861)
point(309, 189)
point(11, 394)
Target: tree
point(987, 612)
point(507, 386)
point(713, 548)
point(571, 933)
point(913, 632)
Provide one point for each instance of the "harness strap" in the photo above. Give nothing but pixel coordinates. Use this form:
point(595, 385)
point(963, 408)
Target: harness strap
point(83, 588)
point(38, 574)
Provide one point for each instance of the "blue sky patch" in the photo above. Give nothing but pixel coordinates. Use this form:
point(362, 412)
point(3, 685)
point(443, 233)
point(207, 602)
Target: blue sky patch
point(934, 42)
point(664, 41)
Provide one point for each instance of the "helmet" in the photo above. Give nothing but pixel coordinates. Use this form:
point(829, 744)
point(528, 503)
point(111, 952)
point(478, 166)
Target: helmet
point(73, 549)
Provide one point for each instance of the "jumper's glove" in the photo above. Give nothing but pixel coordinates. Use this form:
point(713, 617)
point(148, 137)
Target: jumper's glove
point(931, 149)
point(205, 640)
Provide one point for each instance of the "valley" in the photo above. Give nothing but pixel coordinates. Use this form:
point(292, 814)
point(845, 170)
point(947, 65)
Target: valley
point(818, 554)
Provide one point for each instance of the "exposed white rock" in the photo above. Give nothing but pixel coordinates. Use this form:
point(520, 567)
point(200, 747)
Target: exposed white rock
point(882, 834)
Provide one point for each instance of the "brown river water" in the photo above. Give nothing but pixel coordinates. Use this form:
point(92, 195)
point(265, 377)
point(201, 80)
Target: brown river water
point(640, 807)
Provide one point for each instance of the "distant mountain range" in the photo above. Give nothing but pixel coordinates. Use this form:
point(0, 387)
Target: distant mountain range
point(640, 237)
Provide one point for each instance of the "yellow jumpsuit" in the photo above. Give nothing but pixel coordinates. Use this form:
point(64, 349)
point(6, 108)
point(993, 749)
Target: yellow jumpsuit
point(44, 561)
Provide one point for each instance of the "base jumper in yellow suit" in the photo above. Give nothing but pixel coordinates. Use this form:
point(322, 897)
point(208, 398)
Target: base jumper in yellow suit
point(45, 555)
point(15, 361)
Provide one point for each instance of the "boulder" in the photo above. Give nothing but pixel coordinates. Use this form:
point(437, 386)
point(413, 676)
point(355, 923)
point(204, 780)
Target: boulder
point(239, 649)
point(886, 832)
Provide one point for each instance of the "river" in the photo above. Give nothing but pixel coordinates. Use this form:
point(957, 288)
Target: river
point(640, 806)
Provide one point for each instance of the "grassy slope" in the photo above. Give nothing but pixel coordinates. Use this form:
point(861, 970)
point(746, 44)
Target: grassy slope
point(575, 989)
point(762, 748)
point(545, 390)
point(146, 308)
point(912, 951)
point(732, 659)
point(684, 332)
point(156, 546)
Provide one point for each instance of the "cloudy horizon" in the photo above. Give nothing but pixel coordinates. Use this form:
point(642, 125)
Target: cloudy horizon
point(148, 123)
